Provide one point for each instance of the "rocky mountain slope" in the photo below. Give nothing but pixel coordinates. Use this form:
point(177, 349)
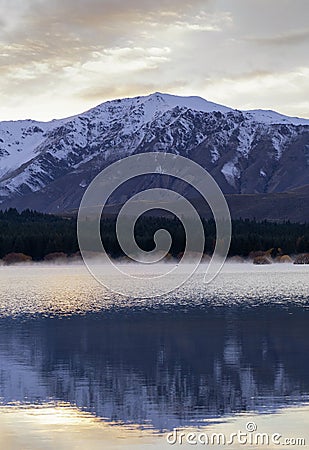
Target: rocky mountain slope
point(47, 166)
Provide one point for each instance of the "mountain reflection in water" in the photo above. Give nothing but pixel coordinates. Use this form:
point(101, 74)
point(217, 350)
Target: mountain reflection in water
point(156, 369)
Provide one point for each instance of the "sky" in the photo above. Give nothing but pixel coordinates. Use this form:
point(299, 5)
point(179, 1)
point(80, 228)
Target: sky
point(61, 57)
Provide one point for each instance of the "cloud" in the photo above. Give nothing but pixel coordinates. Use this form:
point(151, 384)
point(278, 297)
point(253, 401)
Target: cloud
point(62, 57)
point(292, 38)
point(285, 89)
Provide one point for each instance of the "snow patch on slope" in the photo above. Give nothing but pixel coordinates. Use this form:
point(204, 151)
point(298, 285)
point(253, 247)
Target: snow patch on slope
point(192, 102)
point(245, 138)
point(272, 117)
point(231, 173)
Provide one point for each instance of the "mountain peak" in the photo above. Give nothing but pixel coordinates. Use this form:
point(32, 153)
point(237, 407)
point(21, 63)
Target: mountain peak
point(248, 151)
point(191, 102)
point(159, 102)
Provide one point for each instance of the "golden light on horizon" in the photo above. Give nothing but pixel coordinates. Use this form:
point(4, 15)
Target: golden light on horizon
point(61, 58)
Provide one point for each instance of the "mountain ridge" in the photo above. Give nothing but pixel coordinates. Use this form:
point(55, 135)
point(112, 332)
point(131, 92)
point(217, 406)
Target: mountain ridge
point(247, 152)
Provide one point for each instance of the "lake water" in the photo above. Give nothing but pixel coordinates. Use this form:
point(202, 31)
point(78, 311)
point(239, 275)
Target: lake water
point(81, 367)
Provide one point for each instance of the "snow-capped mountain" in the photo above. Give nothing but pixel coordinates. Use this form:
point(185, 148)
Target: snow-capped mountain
point(47, 165)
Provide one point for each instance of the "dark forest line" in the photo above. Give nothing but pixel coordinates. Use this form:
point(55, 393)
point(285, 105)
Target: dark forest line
point(38, 235)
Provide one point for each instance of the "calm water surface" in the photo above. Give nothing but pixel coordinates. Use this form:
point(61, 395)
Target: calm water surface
point(205, 354)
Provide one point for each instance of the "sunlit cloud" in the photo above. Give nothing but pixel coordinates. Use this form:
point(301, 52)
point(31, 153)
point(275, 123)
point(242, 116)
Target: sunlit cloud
point(59, 58)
